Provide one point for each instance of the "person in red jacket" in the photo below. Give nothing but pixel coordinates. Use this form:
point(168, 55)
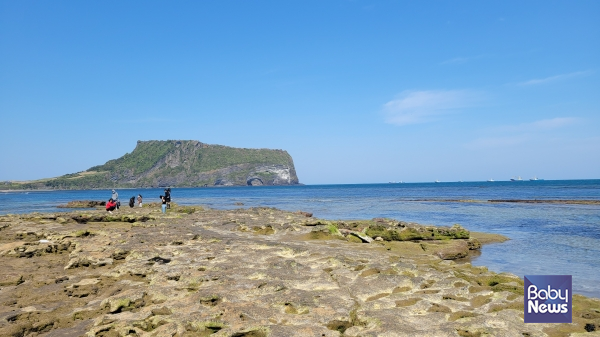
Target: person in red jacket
point(110, 205)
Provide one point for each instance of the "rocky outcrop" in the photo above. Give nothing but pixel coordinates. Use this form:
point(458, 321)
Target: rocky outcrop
point(180, 164)
point(246, 174)
point(248, 272)
point(82, 204)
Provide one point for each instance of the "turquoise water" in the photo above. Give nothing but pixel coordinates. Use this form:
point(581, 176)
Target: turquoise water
point(545, 238)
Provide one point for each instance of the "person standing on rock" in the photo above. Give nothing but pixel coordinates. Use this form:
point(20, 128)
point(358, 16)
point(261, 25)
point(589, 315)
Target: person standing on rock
point(115, 198)
point(168, 197)
point(139, 199)
point(163, 199)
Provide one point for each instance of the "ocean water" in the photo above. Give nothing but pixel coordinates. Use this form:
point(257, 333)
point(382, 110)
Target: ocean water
point(546, 239)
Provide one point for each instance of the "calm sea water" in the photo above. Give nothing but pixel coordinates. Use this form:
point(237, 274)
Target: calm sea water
point(545, 239)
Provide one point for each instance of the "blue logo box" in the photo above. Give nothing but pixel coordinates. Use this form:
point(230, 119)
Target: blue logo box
point(548, 299)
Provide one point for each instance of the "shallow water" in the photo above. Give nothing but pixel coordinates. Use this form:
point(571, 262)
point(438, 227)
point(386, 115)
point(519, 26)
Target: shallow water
point(545, 238)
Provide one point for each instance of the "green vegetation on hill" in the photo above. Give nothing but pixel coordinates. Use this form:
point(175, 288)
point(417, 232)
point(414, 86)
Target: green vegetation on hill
point(97, 180)
point(178, 164)
point(215, 157)
point(145, 155)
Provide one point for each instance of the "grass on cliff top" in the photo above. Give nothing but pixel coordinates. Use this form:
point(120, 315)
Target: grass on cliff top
point(215, 157)
point(192, 155)
point(143, 157)
point(71, 181)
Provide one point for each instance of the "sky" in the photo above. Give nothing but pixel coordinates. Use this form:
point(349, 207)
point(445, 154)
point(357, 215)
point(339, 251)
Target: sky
point(355, 91)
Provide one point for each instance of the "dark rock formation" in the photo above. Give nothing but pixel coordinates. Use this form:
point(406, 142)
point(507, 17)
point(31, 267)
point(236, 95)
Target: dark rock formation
point(82, 204)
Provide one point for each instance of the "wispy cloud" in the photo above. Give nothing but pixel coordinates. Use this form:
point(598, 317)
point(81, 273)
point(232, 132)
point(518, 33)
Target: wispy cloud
point(557, 78)
point(149, 120)
point(510, 135)
point(412, 107)
point(460, 60)
point(495, 142)
point(540, 125)
point(456, 60)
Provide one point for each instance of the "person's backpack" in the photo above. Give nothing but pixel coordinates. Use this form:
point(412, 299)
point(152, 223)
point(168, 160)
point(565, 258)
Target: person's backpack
point(131, 201)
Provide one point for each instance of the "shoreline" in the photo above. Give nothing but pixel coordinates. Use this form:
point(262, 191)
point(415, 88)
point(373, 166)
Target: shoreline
point(143, 188)
point(524, 201)
point(256, 271)
point(520, 201)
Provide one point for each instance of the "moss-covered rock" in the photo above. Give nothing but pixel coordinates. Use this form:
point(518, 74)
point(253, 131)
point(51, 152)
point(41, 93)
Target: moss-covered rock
point(415, 232)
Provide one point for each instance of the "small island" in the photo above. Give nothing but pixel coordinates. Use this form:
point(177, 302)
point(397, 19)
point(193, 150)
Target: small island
point(176, 163)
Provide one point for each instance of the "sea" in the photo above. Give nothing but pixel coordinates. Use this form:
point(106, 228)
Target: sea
point(545, 239)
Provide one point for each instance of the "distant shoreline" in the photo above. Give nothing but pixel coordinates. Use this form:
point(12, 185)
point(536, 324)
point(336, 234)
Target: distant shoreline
point(441, 183)
point(142, 188)
point(522, 201)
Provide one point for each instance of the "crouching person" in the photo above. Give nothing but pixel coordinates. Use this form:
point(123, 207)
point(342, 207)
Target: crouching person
point(110, 206)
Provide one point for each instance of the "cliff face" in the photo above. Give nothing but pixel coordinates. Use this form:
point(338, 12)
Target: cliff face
point(178, 163)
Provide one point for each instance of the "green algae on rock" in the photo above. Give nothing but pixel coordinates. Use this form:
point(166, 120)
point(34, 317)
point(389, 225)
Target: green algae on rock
point(200, 274)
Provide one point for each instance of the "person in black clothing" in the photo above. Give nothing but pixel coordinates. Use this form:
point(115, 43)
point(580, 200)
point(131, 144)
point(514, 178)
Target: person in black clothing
point(168, 197)
point(163, 200)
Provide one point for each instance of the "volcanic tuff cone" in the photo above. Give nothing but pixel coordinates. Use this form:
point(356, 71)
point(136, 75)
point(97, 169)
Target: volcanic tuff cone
point(179, 163)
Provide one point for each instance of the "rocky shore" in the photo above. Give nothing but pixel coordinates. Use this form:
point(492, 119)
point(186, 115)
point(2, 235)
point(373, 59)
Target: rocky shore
point(254, 272)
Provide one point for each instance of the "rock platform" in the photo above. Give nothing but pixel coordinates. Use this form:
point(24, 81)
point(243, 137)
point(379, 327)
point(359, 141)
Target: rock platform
point(254, 272)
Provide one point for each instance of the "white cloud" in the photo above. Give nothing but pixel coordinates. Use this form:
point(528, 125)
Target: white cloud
point(456, 60)
point(495, 142)
point(540, 125)
point(547, 124)
point(511, 135)
point(149, 120)
point(461, 60)
point(557, 77)
point(412, 107)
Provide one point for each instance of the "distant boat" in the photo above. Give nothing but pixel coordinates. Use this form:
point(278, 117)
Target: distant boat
point(535, 178)
point(437, 181)
point(490, 180)
point(516, 179)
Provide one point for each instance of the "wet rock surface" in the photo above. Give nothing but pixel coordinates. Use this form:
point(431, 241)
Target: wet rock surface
point(83, 204)
point(253, 272)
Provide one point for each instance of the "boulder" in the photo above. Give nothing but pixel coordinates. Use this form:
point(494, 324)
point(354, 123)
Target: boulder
point(363, 237)
point(453, 250)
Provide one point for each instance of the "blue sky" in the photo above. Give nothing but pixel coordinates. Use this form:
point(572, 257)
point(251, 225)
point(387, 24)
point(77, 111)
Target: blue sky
point(355, 91)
